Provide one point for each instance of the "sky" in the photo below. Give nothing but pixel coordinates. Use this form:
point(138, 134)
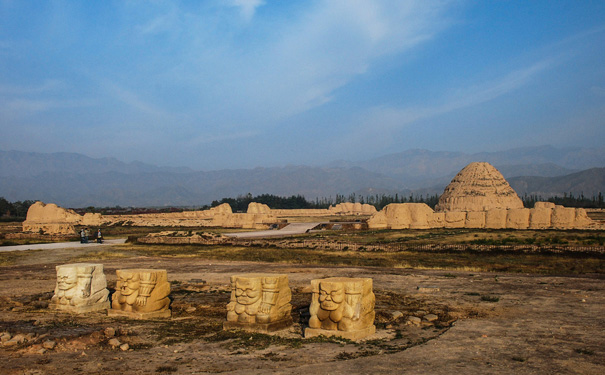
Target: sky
point(217, 84)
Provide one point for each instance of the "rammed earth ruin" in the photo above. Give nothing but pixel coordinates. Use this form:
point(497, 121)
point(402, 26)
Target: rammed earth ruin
point(478, 197)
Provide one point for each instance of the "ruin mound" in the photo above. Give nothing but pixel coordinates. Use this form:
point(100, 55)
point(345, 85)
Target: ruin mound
point(478, 187)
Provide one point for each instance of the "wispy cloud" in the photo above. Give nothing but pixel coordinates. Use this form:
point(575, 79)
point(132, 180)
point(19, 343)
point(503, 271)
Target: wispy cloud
point(46, 86)
point(385, 121)
point(247, 7)
point(132, 99)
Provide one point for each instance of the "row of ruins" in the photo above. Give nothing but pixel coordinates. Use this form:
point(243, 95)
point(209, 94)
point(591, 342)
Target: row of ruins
point(259, 302)
point(478, 197)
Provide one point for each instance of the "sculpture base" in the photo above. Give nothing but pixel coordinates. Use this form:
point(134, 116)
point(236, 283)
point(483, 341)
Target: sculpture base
point(81, 309)
point(349, 335)
point(259, 327)
point(140, 315)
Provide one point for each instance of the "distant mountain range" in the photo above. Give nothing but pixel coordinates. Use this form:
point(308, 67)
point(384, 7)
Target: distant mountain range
point(75, 180)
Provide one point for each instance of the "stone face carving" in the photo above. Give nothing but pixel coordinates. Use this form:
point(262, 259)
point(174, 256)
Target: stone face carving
point(81, 287)
point(343, 307)
point(259, 302)
point(478, 187)
point(141, 294)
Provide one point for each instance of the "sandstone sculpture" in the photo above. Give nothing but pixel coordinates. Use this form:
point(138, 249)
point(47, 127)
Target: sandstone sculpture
point(478, 187)
point(81, 287)
point(141, 294)
point(259, 303)
point(342, 307)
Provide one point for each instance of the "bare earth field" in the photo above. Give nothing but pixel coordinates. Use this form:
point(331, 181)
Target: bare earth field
point(487, 322)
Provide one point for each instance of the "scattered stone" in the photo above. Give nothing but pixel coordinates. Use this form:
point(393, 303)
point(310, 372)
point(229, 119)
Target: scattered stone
point(124, 347)
point(421, 313)
point(114, 342)
point(109, 332)
point(49, 344)
point(430, 317)
point(41, 351)
point(427, 289)
point(36, 323)
point(5, 336)
point(396, 315)
point(190, 309)
point(30, 336)
point(414, 320)
point(19, 338)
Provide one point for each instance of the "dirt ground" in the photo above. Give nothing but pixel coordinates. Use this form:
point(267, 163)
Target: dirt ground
point(487, 323)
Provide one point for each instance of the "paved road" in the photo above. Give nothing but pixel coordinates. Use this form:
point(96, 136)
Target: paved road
point(289, 230)
point(61, 245)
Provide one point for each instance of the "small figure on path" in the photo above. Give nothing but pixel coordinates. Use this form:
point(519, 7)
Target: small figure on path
point(99, 236)
point(82, 235)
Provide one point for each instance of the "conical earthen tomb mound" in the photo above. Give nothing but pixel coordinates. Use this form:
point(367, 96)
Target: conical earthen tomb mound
point(478, 187)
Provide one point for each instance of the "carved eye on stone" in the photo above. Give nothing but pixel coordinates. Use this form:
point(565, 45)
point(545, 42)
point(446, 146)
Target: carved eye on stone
point(253, 293)
point(337, 296)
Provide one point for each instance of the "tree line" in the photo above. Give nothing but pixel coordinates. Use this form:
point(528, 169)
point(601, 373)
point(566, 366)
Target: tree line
point(568, 200)
point(240, 204)
point(14, 211)
point(17, 211)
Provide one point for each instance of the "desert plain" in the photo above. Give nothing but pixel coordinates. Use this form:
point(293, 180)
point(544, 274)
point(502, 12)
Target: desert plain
point(538, 312)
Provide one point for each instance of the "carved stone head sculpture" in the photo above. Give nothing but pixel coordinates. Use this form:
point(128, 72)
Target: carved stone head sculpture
point(141, 293)
point(81, 287)
point(259, 302)
point(343, 307)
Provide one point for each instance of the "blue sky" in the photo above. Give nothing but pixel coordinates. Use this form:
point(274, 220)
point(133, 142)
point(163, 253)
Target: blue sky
point(244, 83)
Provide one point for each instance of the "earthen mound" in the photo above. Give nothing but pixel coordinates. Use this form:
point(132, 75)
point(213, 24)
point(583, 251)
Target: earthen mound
point(478, 187)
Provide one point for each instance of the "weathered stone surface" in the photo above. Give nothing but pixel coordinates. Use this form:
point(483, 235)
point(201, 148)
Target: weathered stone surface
point(544, 205)
point(437, 220)
point(517, 218)
point(259, 303)
point(80, 288)
point(258, 208)
point(402, 216)
point(348, 208)
point(141, 294)
point(475, 219)
point(455, 219)
point(539, 216)
point(478, 187)
point(495, 218)
point(563, 217)
point(430, 317)
point(582, 220)
point(342, 307)
point(49, 344)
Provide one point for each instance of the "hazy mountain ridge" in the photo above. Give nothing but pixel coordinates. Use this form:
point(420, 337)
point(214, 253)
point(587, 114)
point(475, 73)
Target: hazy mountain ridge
point(75, 180)
point(186, 189)
point(20, 164)
point(588, 182)
point(417, 169)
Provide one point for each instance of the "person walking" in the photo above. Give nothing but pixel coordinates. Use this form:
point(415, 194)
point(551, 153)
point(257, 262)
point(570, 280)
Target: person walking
point(99, 236)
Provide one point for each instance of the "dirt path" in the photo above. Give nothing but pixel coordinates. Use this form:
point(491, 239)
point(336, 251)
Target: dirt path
point(505, 323)
point(62, 245)
point(289, 230)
